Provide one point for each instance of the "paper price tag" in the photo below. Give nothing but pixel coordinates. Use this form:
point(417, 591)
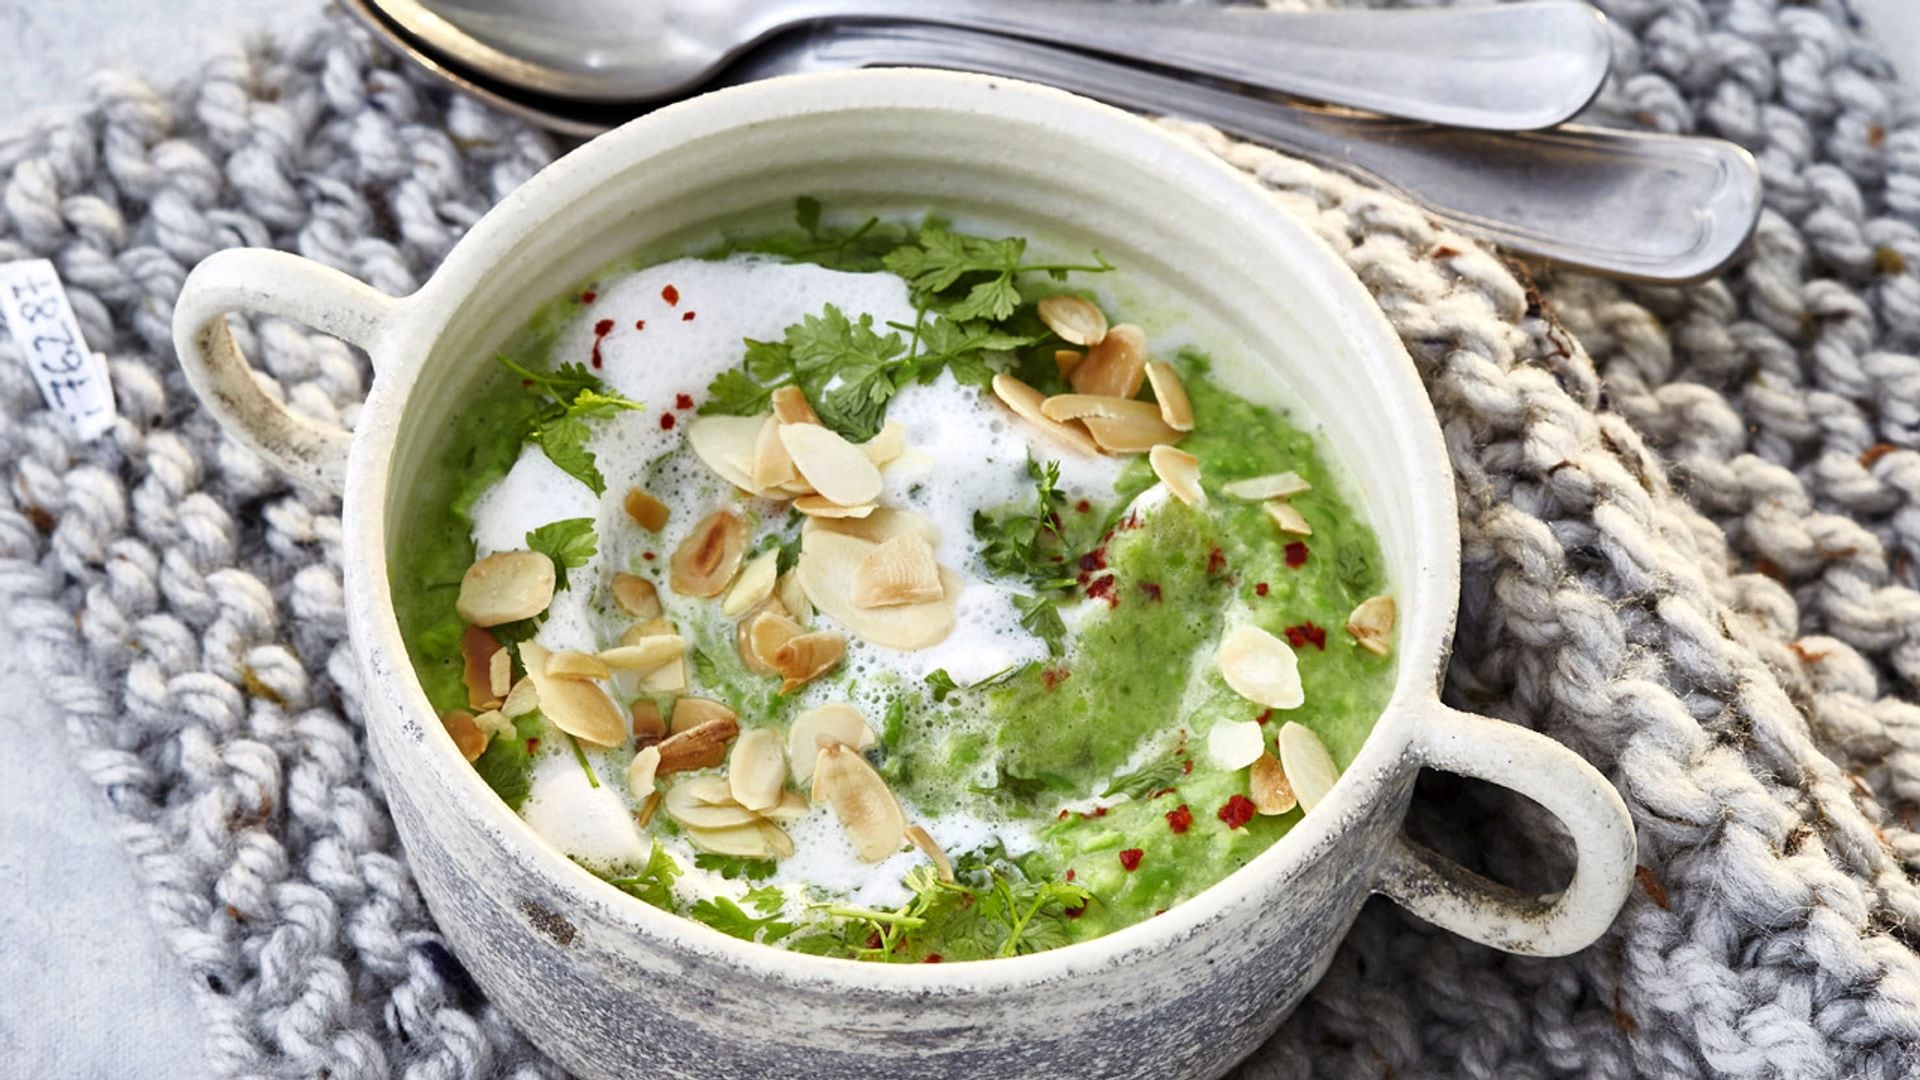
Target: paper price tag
point(73, 378)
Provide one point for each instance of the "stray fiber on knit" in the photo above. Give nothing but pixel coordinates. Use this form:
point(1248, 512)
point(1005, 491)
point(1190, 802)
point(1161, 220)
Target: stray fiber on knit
point(1691, 518)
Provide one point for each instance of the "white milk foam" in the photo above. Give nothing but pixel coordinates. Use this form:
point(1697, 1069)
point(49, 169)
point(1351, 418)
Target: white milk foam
point(965, 453)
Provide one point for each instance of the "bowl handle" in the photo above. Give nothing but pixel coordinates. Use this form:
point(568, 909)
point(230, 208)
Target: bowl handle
point(1449, 895)
point(259, 281)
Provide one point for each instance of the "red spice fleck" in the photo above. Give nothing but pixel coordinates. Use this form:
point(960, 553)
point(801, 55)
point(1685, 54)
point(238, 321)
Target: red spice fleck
point(1296, 555)
point(1074, 912)
point(1186, 767)
point(1180, 819)
point(1063, 814)
point(683, 401)
point(1152, 590)
point(1083, 506)
point(1162, 791)
point(932, 958)
point(666, 421)
point(1237, 812)
point(647, 555)
point(1054, 676)
point(1260, 589)
point(1130, 859)
point(1162, 911)
point(671, 295)
point(1263, 717)
point(874, 940)
point(1101, 588)
point(1093, 560)
point(639, 324)
point(688, 317)
point(533, 744)
point(1216, 561)
point(1307, 634)
point(1069, 873)
point(589, 296)
point(600, 331)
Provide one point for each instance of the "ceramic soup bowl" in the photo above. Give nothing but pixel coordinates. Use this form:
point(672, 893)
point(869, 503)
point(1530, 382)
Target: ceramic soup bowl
point(612, 987)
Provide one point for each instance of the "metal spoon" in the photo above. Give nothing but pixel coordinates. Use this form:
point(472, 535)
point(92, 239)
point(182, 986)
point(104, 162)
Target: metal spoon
point(1502, 67)
point(1656, 208)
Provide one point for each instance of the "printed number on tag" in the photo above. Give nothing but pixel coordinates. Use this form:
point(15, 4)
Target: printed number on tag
point(73, 378)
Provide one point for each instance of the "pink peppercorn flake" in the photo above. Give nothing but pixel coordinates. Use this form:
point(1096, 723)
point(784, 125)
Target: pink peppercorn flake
point(666, 421)
point(589, 296)
point(932, 958)
point(1180, 819)
point(688, 317)
point(1260, 589)
point(1238, 811)
point(1296, 555)
point(1152, 590)
point(639, 324)
point(671, 295)
point(683, 401)
point(1130, 859)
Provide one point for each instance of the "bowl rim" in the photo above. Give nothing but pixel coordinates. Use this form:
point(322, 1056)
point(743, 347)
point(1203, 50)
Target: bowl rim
point(380, 649)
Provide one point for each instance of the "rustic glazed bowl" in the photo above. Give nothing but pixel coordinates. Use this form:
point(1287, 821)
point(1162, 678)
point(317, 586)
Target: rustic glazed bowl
point(612, 987)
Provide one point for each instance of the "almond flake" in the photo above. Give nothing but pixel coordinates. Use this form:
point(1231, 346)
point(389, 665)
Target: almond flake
point(725, 445)
point(649, 652)
point(792, 807)
point(521, 700)
point(877, 528)
point(467, 736)
point(744, 841)
point(493, 722)
point(807, 657)
point(1282, 485)
point(641, 771)
point(1268, 787)
point(923, 840)
point(900, 571)
point(1116, 367)
point(754, 585)
point(706, 561)
point(1235, 744)
point(646, 511)
point(575, 706)
point(1260, 668)
point(500, 673)
point(1180, 471)
point(1175, 407)
point(762, 633)
point(635, 596)
point(1371, 625)
point(757, 769)
point(860, 799)
point(790, 405)
point(648, 807)
point(794, 598)
point(837, 469)
point(1076, 321)
point(830, 561)
point(779, 844)
point(692, 712)
point(1309, 768)
point(771, 467)
point(887, 445)
point(506, 587)
point(1065, 407)
point(649, 726)
point(568, 664)
point(1287, 518)
point(835, 723)
point(693, 803)
point(1025, 402)
point(701, 747)
point(1066, 360)
point(819, 506)
point(668, 678)
point(477, 651)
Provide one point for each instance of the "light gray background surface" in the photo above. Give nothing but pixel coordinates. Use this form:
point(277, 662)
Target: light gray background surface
point(87, 987)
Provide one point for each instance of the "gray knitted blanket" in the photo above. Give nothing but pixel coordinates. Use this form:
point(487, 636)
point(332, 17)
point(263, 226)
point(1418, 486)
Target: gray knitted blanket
point(1690, 515)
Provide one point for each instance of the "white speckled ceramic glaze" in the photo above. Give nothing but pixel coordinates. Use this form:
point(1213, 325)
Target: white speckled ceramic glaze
point(612, 987)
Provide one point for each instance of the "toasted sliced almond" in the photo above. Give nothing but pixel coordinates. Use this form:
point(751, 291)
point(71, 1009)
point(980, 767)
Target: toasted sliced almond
point(762, 633)
point(1235, 744)
point(568, 664)
point(1287, 518)
point(648, 807)
point(819, 506)
point(1180, 471)
point(794, 598)
point(725, 445)
point(692, 803)
point(655, 627)
point(649, 652)
point(1281, 485)
point(860, 799)
point(641, 771)
point(829, 562)
point(1076, 321)
point(1371, 624)
point(500, 674)
point(635, 596)
point(1025, 402)
point(807, 657)
point(506, 587)
point(1267, 786)
point(692, 712)
point(702, 747)
point(646, 511)
point(575, 706)
point(1309, 768)
point(792, 807)
point(1175, 407)
point(757, 769)
point(467, 736)
point(837, 469)
point(649, 726)
point(900, 571)
point(521, 700)
point(771, 467)
point(747, 841)
point(493, 722)
point(837, 722)
point(877, 528)
point(1065, 407)
point(668, 678)
point(779, 844)
point(923, 840)
point(477, 650)
point(1130, 434)
point(754, 585)
point(888, 444)
point(1115, 367)
point(1260, 668)
point(791, 406)
point(1066, 360)
point(706, 561)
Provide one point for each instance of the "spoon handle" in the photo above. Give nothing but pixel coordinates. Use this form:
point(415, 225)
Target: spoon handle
point(1504, 67)
point(1627, 204)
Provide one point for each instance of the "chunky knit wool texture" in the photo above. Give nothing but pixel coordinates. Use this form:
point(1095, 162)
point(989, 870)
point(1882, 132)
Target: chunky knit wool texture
point(1690, 516)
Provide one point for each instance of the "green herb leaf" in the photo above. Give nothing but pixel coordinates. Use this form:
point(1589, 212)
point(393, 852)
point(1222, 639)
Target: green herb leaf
point(1041, 616)
point(594, 405)
point(506, 766)
point(729, 918)
point(568, 543)
point(565, 442)
point(941, 683)
point(1156, 775)
point(654, 883)
point(768, 899)
point(736, 868)
point(734, 393)
point(806, 214)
